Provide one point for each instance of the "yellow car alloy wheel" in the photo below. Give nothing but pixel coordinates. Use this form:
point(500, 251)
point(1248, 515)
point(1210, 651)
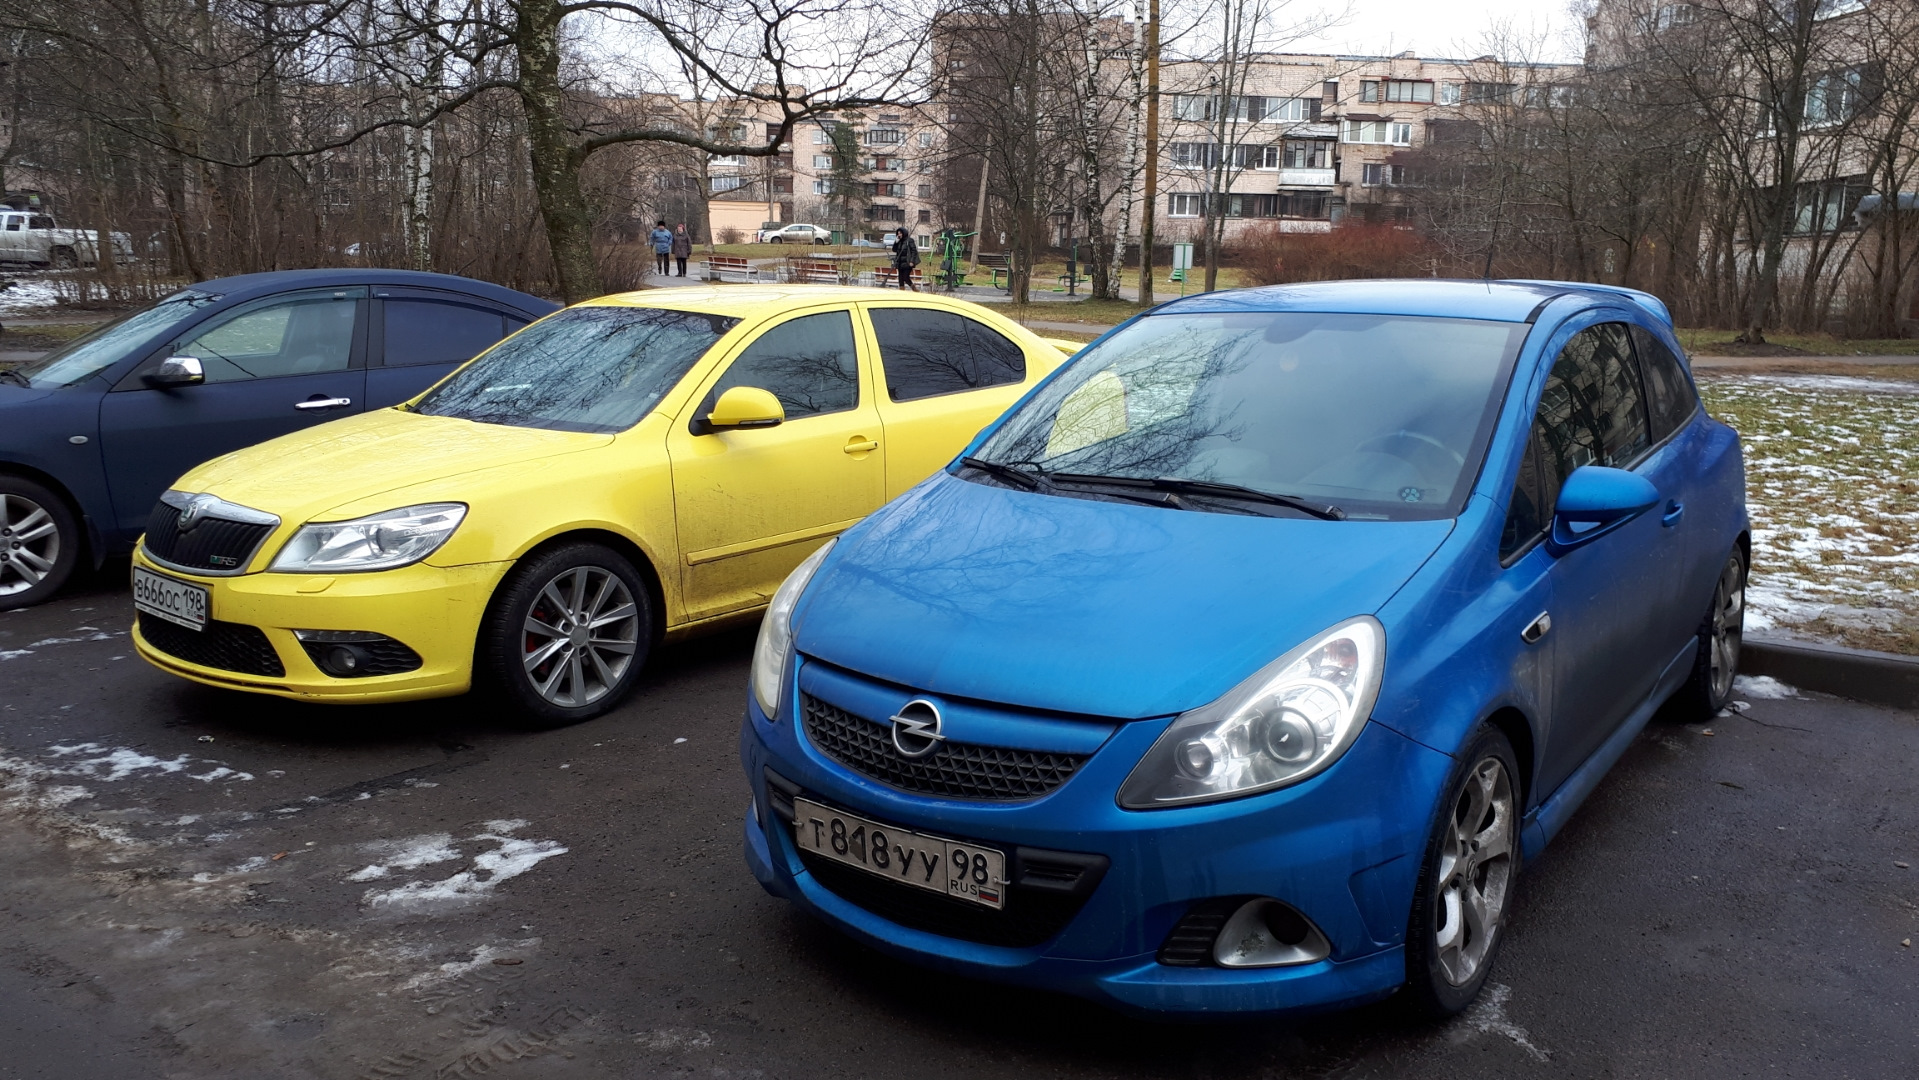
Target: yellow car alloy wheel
point(567, 633)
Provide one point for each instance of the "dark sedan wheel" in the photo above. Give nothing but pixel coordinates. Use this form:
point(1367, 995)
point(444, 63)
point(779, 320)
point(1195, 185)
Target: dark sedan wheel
point(567, 634)
point(1466, 886)
point(1722, 633)
point(39, 543)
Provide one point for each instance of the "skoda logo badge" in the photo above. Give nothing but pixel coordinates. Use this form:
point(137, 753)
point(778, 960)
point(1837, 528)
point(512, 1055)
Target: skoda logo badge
point(916, 728)
point(195, 509)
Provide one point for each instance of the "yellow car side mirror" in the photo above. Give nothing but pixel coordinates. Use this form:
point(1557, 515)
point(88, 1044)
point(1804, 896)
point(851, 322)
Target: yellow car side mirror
point(745, 407)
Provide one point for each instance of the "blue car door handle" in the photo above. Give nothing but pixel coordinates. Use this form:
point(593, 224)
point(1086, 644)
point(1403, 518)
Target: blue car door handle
point(1674, 511)
point(1537, 629)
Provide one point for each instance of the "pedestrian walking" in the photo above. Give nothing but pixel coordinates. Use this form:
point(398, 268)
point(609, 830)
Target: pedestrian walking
point(682, 247)
point(662, 246)
point(906, 256)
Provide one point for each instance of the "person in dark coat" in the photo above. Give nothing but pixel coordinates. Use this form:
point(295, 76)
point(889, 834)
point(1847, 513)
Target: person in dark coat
point(906, 256)
point(682, 247)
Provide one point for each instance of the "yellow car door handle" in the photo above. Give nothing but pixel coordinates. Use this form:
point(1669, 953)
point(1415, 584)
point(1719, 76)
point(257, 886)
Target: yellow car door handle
point(861, 446)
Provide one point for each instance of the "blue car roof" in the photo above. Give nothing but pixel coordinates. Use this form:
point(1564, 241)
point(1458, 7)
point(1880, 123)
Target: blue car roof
point(1498, 301)
point(242, 286)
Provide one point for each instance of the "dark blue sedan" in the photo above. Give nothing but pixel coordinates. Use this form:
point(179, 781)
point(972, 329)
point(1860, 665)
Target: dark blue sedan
point(91, 434)
point(1239, 667)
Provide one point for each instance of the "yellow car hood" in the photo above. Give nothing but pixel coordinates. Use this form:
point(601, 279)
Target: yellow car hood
point(303, 475)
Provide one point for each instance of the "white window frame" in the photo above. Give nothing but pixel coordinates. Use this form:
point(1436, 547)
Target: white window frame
point(1185, 205)
point(1378, 132)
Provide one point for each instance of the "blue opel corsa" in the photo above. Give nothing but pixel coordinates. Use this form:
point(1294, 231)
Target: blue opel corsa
point(1239, 667)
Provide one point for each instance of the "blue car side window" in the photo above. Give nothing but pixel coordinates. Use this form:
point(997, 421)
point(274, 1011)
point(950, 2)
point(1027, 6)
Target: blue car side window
point(1670, 397)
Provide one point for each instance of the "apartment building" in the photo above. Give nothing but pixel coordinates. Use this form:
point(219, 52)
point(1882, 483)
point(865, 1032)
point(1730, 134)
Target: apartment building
point(1309, 139)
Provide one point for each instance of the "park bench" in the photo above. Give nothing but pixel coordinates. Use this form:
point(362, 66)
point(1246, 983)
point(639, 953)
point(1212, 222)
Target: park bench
point(888, 277)
point(717, 267)
point(999, 263)
point(816, 272)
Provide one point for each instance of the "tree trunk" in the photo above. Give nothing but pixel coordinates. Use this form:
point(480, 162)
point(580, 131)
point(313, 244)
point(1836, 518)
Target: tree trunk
point(555, 157)
point(1149, 193)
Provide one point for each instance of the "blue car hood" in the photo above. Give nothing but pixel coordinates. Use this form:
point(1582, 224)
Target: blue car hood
point(1092, 607)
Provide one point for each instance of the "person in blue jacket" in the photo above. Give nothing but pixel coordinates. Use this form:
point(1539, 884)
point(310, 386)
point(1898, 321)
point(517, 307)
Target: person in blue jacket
point(662, 246)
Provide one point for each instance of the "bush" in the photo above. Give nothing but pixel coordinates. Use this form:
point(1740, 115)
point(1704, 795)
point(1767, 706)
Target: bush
point(731, 235)
point(623, 266)
point(1357, 250)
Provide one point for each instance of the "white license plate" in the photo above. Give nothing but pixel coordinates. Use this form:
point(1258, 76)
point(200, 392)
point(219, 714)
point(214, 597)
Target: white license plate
point(175, 601)
point(956, 868)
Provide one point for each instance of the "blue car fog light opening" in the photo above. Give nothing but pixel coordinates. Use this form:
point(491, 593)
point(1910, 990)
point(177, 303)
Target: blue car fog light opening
point(1286, 722)
point(775, 642)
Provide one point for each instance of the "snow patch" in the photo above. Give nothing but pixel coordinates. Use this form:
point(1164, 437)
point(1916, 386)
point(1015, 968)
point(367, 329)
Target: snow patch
point(252, 865)
point(408, 854)
point(120, 763)
point(482, 957)
point(1763, 686)
point(13, 654)
point(674, 1039)
point(1487, 1016)
point(510, 857)
point(27, 294)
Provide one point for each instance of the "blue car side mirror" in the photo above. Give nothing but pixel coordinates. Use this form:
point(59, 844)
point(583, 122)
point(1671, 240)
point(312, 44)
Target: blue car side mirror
point(1594, 501)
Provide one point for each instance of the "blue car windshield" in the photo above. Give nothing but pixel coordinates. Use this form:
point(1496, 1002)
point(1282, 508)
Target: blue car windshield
point(87, 356)
point(597, 369)
point(1380, 417)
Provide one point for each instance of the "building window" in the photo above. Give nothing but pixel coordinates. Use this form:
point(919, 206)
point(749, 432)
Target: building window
point(926, 217)
point(885, 136)
point(1184, 205)
point(1669, 16)
point(926, 191)
point(1835, 98)
point(728, 183)
point(1489, 93)
point(886, 213)
point(1449, 93)
point(822, 161)
point(926, 138)
point(1407, 90)
point(1329, 90)
point(1308, 154)
point(1194, 155)
point(822, 136)
point(822, 187)
point(1379, 131)
point(1382, 175)
point(1541, 97)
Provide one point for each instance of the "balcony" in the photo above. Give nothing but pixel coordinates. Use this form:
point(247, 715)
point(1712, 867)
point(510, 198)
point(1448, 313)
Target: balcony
point(1306, 178)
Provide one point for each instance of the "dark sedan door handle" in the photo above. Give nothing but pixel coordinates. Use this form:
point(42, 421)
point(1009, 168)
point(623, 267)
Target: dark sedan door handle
point(1674, 511)
point(1537, 629)
point(318, 402)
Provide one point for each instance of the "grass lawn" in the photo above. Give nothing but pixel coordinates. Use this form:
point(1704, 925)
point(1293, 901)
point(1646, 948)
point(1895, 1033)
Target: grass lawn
point(1703, 342)
point(46, 336)
point(1832, 479)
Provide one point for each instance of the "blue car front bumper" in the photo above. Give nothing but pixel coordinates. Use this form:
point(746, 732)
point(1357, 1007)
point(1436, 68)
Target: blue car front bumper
point(1343, 848)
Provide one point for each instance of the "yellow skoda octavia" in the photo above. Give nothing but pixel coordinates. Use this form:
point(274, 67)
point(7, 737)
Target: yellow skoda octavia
point(625, 471)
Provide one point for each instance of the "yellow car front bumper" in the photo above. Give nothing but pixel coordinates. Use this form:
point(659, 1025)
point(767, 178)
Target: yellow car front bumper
point(434, 611)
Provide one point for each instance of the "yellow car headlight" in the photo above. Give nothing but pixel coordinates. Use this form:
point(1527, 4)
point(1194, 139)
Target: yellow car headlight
point(376, 542)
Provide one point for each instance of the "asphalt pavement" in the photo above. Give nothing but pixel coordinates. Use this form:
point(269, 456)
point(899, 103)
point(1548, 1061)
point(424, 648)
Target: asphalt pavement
point(195, 883)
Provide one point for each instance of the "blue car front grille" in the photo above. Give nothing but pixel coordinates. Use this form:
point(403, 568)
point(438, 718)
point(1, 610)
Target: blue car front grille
point(954, 769)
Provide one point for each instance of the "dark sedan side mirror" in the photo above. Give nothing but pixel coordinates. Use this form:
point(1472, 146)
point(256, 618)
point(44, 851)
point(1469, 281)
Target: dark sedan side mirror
point(1594, 501)
point(177, 371)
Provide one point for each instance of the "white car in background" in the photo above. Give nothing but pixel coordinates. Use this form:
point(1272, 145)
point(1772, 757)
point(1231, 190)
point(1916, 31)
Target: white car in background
point(27, 237)
point(796, 234)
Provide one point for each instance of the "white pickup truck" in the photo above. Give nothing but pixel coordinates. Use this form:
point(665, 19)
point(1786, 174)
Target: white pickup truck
point(26, 237)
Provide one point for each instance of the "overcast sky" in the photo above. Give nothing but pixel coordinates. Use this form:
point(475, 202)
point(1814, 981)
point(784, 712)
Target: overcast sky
point(1455, 28)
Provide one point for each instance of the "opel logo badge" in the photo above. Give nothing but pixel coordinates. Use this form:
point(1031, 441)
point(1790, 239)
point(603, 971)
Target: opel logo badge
point(195, 509)
point(916, 728)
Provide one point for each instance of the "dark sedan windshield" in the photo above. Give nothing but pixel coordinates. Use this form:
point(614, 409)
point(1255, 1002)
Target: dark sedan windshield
point(585, 369)
point(86, 357)
point(1375, 416)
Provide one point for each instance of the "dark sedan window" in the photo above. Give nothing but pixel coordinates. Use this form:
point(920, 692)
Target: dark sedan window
point(88, 356)
point(437, 332)
point(584, 369)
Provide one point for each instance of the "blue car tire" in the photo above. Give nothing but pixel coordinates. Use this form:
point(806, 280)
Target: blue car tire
point(1467, 882)
point(1721, 633)
point(39, 542)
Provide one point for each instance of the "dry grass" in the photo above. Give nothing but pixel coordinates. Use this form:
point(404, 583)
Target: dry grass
point(1832, 479)
point(1713, 342)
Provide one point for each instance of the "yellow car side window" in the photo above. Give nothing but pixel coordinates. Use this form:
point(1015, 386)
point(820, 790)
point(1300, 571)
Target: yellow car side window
point(809, 363)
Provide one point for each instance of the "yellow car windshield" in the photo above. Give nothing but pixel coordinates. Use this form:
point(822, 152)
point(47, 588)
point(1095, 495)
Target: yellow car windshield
point(596, 369)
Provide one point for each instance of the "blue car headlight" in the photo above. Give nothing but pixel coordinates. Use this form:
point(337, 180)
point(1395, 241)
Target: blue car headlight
point(776, 633)
point(1288, 721)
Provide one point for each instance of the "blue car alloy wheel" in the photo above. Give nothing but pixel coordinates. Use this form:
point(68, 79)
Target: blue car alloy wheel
point(1241, 666)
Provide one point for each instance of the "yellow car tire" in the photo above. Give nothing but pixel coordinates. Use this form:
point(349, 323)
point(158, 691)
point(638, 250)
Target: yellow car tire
point(567, 634)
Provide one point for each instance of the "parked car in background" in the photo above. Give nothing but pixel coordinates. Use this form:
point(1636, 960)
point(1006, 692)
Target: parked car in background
point(35, 239)
point(1240, 666)
point(91, 434)
point(636, 467)
point(796, 234)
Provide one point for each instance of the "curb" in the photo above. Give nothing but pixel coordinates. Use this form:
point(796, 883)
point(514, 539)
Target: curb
point(1875, 677)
